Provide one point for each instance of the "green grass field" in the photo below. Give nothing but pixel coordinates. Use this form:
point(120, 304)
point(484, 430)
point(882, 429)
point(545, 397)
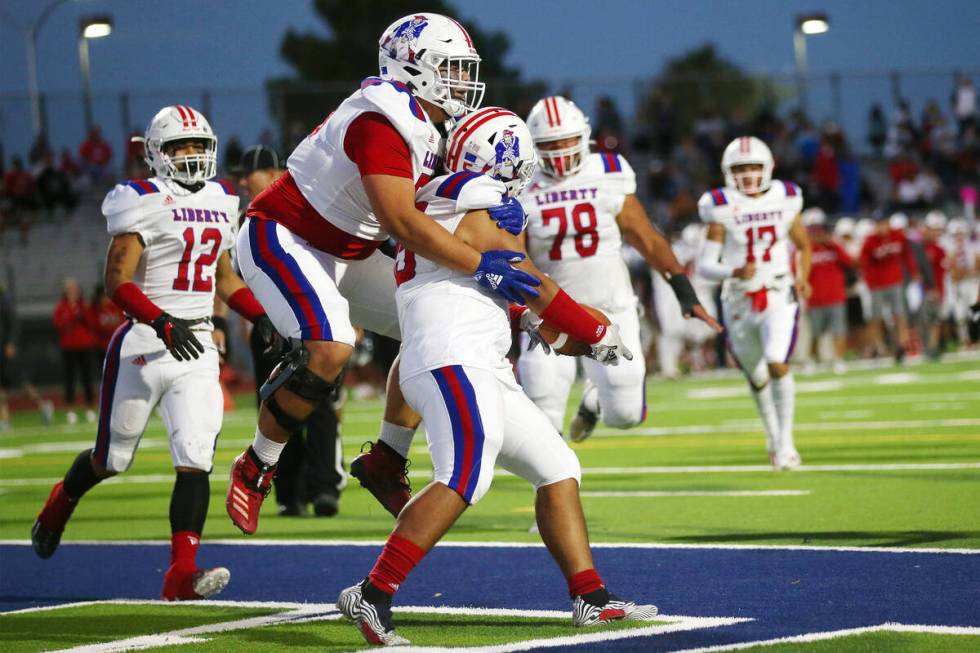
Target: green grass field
point(891, 459)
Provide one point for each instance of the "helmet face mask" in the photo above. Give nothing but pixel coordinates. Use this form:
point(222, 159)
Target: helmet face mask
point(495, 142)
point(747, 164)
point(170, 132)
point(561, 136)
point(434, 56)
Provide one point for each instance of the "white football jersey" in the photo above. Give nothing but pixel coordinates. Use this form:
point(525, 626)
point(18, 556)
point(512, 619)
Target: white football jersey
point(331, 182)
point(572, 234)
point(183, 232)
point(756, 229)
point(446, 317)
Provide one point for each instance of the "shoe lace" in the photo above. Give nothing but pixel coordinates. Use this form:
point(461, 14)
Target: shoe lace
point(403, 477)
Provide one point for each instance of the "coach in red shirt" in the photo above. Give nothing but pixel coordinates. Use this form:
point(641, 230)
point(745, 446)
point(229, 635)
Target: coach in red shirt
point(886, 257)
point(826, 306)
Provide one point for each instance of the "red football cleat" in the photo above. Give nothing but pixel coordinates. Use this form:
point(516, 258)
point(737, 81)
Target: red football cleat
point(250, 483)
point(384, 474)
point(191, 585)
point(50, 523)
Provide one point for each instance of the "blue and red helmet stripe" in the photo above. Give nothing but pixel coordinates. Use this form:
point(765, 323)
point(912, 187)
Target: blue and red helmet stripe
point(142, 186)
point(453, 184)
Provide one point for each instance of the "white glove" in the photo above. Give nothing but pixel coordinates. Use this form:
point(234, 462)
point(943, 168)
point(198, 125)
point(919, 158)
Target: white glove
point(611, 348)
point(529, 324)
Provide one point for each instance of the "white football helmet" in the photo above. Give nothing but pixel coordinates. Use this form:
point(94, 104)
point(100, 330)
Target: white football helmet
point(747, 150)
point(844, 227)
point(814, 217)
point(495, 142)
point(554, 119)
point(176, 123)
point(936, 219)
point(434, 56)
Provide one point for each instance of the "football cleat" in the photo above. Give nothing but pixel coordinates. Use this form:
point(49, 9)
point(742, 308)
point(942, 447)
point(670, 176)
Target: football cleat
point(787, 461)
point(249, 484)
point(181, 585)
point(372, 619)
point(384, 474)
point(584, 423)
point(50, 523)
point(615, 609)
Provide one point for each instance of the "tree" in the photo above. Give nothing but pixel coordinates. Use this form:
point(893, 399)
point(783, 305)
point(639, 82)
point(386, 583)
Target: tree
point(328, 68)
point(701, 82)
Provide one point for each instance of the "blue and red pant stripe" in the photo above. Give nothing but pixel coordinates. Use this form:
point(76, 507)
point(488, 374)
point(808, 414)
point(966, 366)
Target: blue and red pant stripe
point(110, 374)
point(468, 434)
point(272, 259)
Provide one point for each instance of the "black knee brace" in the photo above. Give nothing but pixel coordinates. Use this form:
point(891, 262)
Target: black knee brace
point(293, 373)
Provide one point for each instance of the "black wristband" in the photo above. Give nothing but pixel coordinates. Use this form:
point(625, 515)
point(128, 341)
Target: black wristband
point(684, 292)
point(219, 323)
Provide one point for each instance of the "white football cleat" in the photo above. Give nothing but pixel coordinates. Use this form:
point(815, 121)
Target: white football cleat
point(373, 620)
point(787, 461)
point(615, 609)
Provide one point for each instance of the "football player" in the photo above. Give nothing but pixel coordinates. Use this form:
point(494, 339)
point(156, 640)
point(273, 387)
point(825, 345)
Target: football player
point(309, 245)
point(751, 221)
point(581, 207)
point(455, 373)
point(168, 256)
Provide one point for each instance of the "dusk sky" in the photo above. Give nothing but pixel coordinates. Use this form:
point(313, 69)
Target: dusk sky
point(164, 52)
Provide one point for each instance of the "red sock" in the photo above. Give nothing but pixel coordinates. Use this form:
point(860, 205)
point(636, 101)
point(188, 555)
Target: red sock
point(584, 582)
point(396, 561)
point(57, 509)
point(183, 549)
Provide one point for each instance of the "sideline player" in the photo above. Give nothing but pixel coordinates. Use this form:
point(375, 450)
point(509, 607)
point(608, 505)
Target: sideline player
point(309, 245)
point(167, 259)
point(750, 224)
point(455, 373)
point(581, 207)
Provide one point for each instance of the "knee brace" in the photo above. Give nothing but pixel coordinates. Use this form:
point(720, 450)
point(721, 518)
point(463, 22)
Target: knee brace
point(293, 374)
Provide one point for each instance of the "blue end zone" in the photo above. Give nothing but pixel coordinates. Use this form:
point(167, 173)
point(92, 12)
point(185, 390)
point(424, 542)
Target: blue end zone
point(786, 592)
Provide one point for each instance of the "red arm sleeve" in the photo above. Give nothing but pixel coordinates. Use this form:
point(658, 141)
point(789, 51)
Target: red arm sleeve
point(376, 147)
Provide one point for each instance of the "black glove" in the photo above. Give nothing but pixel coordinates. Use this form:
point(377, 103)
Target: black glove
point(178, 337)
point(273, 344)
point(684, 292)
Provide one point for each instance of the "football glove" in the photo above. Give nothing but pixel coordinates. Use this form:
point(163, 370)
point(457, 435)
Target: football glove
point(178, 337)
point(611, 348)
point(529, 323)
point(273, 344)
point(509, 215)
point(496, 273)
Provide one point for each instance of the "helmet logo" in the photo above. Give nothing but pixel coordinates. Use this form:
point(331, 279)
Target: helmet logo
point(508, 152)
point(402, 44)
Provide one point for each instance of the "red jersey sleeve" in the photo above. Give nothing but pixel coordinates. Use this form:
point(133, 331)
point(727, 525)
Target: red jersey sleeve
point(376, 147)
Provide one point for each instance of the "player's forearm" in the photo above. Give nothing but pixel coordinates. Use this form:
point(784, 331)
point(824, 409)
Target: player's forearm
point(121, 261)
point(420, 234)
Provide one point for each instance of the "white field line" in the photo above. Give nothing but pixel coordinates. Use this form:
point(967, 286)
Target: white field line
point(919, 399)
point(746, 427)
point(587, 471)
point(304, 613)
point(835, 634)
point(512, 545)
point(704, 493)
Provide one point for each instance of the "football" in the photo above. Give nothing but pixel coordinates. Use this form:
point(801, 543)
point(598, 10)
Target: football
point(566, 344)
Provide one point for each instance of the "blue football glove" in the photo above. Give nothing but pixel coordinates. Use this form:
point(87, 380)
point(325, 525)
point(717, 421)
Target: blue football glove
point(509, 215)
point(496, 273)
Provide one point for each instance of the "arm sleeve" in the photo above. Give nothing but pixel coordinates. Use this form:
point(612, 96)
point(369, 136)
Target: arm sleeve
point(709, 264)
point(376, 147)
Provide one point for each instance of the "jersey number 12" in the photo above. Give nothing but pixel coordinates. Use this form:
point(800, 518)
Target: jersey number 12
point(207, 258)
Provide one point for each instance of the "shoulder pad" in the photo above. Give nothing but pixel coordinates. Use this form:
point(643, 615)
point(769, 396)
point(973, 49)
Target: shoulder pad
point(391, 97)
point(127, 196)
point(709, 203)
point(223, 186)
point(611, 162)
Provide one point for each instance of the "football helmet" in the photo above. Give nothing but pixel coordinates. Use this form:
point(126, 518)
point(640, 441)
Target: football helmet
point(936, 219)
point(495, 142)
point(747, 150)
point(176, 123)
point(434, 56)
point(554, 119)
point(844, 227)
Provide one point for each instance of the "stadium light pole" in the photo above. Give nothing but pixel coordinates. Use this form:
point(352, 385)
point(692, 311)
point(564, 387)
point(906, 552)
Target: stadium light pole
point(30, 42)
point(90, 27)
point(806, 24)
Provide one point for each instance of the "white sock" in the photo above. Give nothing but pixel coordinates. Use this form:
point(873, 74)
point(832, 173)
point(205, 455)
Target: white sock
point(267, 450)
point(590, 397)
point(784, 397)
point(767, 411)
point(397, 437)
